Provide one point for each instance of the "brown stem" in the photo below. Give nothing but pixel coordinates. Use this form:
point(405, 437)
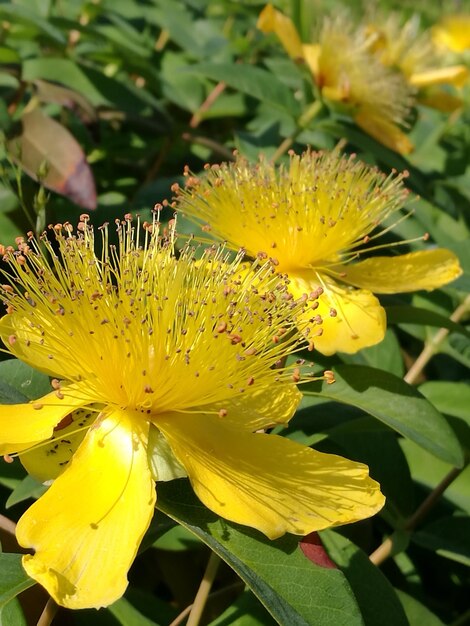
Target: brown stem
point(209, 143)
point(206, 105)
point(304, 120)
point(179, 619)
point(7, 525)
point(204, 589)
point(386, 548)
point(432, 346)
point(50, 611)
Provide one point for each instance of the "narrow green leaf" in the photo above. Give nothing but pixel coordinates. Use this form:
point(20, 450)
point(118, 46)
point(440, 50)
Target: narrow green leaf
point(13, 578)
point(374, 594)
point(245, 611)
point(294, 590)
point(22, 381)
point(417, 613)
point(449, 537)
point(449, 398)
point(395, 403)
point(11, 614)
point(253, 81)
point(29, 487)
point(422, 317)
point(18, 13)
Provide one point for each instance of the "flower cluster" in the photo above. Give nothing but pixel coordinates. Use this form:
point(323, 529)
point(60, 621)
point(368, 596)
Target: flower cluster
point(162, 367)
point(316, 217)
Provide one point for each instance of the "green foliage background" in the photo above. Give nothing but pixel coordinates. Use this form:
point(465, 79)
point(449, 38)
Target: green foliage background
point(145, 88)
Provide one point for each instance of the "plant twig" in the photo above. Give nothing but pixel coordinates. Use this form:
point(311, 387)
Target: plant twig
point(433, 344)
point(50, 611)
point(7, 525)
point(304, 120)
point(204, 589)
point(209, 143)
point(386, 548)
point(206, 105)
point(179, 619)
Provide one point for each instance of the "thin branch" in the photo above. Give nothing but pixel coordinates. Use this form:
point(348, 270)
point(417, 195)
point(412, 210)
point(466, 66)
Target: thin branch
point(179, 619)
point(204, 589)
point(211, 144)
point(432, 346)
point(385, 550)
point(304, 120)
point(206, 105)
point(50, 611)
point(7, 525)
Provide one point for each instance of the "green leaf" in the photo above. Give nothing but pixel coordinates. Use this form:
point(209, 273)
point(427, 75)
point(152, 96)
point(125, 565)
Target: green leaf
point(396, 404)
point(294, 590)
point(417, 613)
point(20, 382)
point(17, 13)
point(422, 317)
point(429, 471)
point(385, 355)
point(448, 537)
point(374, 594)
point(11, 614)
point(245, 611)
point(29, 487)
point(253, 81)
point(13, 578)
point(128, 615)
point(449, 398)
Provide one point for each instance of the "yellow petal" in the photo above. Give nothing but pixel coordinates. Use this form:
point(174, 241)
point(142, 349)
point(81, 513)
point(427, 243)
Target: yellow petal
point(48, 460)
point(311, 54)
point(262, 408)
point(272, 21)
point(384, 131)
point(427, 269)
point(439, 99)
point(352, 319)
point(87, 527)
point(16, 329)
point(23, 425)
point(453, 75)
point(269, 482)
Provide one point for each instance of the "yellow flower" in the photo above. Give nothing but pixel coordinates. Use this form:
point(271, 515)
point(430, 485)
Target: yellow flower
point(453, 32)
point(404, 48)
point(162, 368)
point(313, 216)
point(348, 75)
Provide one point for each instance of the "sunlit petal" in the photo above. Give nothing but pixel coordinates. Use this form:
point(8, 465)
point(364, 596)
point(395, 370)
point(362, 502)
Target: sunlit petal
point(427, 269)
point(87, 527)
point(22, 425)
point(383, 131)
point(452, 75)
point(272, 21)
point(351, 319)
point(50, 458)
point(269, 482)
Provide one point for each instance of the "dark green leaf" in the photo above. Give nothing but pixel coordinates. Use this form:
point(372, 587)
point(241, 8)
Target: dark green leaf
point(11, 614)
point(21, 382)
point(253, 81)
point(29, 487)
point(13, 578)
point(374, 594)
point(25, 15)
point(295, 591)
point(449, 537)
point(245, 611)
point(392, 401)
point(423, 317)
point(417, 613)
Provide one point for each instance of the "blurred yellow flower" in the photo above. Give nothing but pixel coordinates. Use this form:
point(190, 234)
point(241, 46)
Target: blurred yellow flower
point(163, 368)
point(349, 75)
point(453, 32)
point(315, 216)
point(405, 48)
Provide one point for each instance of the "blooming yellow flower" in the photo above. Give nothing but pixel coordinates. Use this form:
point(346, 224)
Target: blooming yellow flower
point(453, 32)
point(347, 74)
point(406, 49)
point(162, 368)
point(313, 216)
